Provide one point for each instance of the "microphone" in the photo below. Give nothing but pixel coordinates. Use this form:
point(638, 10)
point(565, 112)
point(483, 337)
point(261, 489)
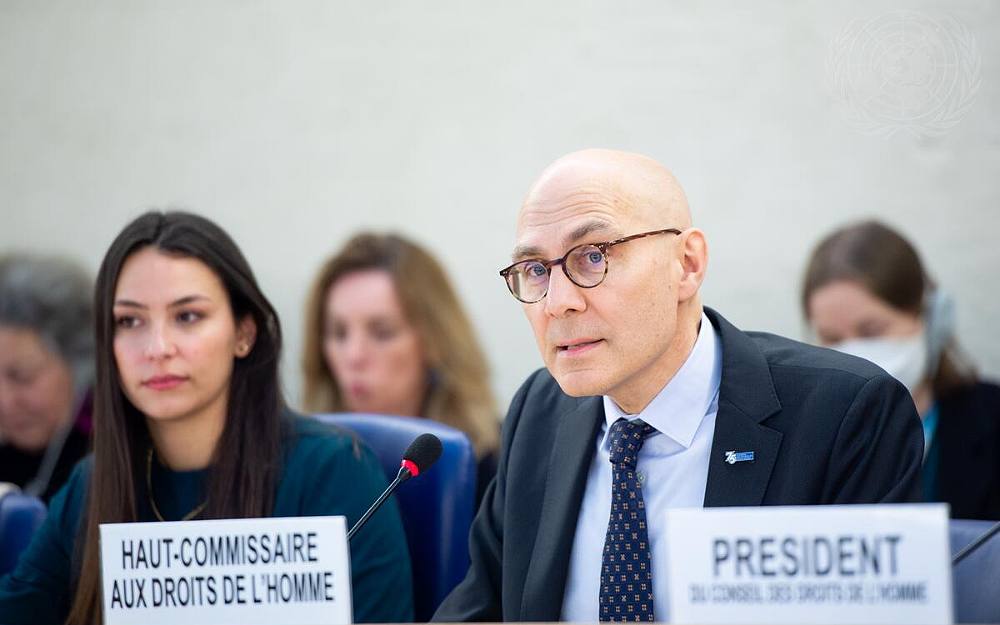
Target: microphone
point(423, 452)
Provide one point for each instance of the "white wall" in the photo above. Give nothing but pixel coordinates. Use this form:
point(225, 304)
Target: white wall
point(295, 123)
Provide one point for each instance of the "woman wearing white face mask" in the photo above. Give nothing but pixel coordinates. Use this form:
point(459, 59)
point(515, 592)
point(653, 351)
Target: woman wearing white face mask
point(866, 293)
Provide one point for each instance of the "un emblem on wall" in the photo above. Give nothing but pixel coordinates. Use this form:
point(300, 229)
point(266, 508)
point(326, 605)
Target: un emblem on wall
point(904, 71)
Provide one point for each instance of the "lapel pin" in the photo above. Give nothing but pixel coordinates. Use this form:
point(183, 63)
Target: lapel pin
point(732, 457)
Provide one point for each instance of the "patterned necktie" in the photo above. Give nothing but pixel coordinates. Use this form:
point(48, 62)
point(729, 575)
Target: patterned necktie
point(626, 573)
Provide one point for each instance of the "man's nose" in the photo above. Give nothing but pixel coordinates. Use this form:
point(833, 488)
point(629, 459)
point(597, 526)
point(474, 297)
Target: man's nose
point(563, 296)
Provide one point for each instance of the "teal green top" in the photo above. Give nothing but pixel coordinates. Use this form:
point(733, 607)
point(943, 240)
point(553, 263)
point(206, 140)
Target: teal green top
point(932, 454)
point(326, 471)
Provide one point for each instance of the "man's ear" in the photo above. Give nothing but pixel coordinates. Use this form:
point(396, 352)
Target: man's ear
point(694, 263)
point(246, 334)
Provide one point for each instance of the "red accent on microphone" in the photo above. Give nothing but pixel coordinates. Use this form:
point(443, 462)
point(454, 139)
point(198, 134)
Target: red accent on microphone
point(410, 466)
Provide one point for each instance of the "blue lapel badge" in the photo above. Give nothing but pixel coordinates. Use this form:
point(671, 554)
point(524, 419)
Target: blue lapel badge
point(732, 457)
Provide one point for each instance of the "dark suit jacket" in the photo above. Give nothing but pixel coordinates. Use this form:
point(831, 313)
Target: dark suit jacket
point(825, 428)
point(968, 446)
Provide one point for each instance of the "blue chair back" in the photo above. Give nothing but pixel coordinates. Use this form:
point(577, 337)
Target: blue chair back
point(976, 595)
point(20, 516)
point(436, 507)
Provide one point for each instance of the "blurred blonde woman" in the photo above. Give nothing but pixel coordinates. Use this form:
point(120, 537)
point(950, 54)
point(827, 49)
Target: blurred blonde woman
point(385, 333)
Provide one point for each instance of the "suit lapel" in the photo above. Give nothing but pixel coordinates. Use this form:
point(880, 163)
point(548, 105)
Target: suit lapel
point(740, 483)
point(746, 398)
point(569, 465)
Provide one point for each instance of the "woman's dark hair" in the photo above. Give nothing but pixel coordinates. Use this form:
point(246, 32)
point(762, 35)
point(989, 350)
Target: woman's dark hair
point(879, 259)
point(244, 469)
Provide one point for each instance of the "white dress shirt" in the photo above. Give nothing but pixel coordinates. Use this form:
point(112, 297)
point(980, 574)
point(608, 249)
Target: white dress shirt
point(672, 470)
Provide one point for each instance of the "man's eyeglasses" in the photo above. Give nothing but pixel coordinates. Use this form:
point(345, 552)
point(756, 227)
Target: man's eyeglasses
point(585, 265)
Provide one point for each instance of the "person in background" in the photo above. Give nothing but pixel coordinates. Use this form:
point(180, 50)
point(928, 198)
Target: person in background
point(46, 370)
point(190, 424)
point(866, 293)
point(385, 333)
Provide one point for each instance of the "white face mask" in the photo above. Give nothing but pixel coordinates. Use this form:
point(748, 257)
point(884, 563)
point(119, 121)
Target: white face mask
point(904, 358)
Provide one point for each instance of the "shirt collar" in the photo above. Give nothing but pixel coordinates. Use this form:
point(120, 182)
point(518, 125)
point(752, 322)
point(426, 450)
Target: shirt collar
point(679, 408)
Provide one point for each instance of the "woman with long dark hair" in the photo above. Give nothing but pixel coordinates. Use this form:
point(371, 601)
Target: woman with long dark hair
point(190, 424)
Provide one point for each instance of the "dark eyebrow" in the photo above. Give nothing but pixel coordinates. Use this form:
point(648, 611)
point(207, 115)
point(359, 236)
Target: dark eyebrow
point(188, 299)
point(531, 251)
point(179, 302)
point(128, 303)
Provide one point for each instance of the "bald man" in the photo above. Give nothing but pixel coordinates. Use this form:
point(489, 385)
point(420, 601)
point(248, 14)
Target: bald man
point(650, 401)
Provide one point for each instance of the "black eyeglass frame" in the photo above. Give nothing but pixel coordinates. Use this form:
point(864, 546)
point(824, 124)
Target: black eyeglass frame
point(604, 246)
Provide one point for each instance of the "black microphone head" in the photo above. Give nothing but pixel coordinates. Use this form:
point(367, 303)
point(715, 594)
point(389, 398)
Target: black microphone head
point(422, 453)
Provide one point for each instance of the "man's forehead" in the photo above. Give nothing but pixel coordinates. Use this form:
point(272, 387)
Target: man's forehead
point(552, 237)
point(596, 191)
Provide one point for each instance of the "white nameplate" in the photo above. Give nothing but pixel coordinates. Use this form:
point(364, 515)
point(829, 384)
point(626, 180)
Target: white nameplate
point(241, 571)
point(810, 564)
